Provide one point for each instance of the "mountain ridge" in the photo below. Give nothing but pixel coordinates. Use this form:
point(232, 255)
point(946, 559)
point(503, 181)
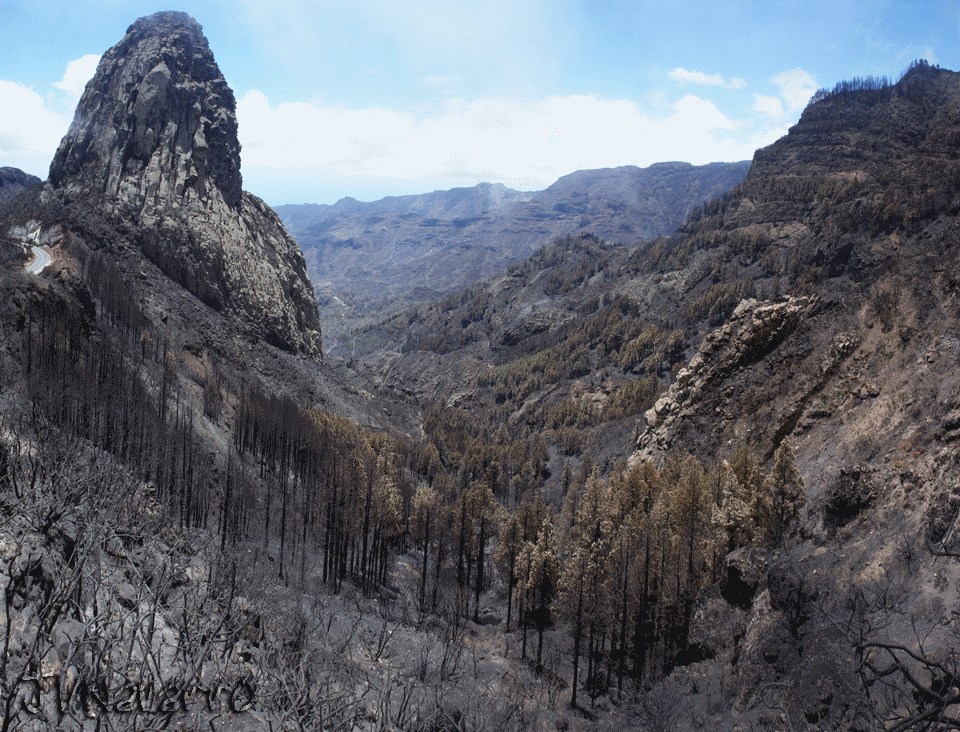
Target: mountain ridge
point(369, 260)
point(14, 181)
point(815, 311)
point(487, 195)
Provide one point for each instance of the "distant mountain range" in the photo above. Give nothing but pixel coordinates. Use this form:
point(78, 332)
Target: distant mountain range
point(379, 256)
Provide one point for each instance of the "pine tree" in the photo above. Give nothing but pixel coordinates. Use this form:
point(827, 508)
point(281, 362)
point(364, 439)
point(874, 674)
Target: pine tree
point(544, 571)
point(519, 529)
point(584, 582)
point(787, 494)
point(388, 520)
point(631, 498)
point(690, 512)
point(426, 503)
point(749, 475)
point(481, 512)
point(732, 516)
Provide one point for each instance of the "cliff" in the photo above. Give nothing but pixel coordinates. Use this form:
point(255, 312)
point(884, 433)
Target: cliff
point(153, 148)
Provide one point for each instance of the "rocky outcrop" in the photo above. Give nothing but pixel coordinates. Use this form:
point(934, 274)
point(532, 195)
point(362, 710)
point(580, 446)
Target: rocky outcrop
point(753, 331)
point(14, 180)
point(157, 123)
point(154, 145)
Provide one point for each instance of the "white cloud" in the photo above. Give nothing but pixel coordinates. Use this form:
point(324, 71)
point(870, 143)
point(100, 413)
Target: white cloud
point(30, 129)
point(796, 87)
point(525, 145)
point(700, 78)
point(768, 105)
point(77, 74)
point(701, 114)
point(33, 124)
point(299, 148)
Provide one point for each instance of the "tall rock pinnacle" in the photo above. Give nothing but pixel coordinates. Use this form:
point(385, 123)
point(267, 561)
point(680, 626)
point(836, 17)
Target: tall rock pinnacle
point(158, 122)
point(154, 144)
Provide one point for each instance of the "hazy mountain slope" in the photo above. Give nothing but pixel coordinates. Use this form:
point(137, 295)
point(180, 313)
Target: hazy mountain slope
point(828, 211)
point(14, 180)
point(628, 203)
point(377, 257)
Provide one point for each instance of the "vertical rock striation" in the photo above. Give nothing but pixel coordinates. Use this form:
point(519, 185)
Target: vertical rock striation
point(154, 144)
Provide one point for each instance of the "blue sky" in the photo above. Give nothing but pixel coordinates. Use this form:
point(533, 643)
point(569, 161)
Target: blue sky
point(369, 98)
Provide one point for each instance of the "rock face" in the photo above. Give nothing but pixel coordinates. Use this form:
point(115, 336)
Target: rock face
point(154, 145)
point(14, 180)
point(753, 331)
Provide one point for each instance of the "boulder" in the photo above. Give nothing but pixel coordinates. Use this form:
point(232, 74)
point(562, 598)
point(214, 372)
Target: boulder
point(745, 574)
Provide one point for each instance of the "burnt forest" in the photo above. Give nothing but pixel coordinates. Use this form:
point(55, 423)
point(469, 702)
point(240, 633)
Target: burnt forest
point(658, 448)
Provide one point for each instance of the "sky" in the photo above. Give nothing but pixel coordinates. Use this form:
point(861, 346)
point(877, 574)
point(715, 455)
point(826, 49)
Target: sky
point(369, 98)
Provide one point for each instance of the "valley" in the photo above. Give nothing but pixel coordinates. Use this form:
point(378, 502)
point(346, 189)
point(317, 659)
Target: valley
point(370, 260)
point(653, 448)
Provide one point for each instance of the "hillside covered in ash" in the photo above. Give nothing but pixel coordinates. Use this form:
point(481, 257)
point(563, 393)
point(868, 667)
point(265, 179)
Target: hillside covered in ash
point(813, 307)
point(707, 480)
point(13, 181)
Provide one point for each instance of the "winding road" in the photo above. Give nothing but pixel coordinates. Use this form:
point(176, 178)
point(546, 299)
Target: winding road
point(41, 258)
point(41, 255)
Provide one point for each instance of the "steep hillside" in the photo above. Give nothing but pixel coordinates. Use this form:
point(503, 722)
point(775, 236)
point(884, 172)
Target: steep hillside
point(860, 213)
point(168, 436)
point(854, 215)
point(815, 306)
point(369, 259)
